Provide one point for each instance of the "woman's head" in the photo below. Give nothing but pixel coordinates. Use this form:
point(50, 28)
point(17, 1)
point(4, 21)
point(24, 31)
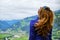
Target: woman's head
point(45, 12)
point(46, 8)
point(42, 10)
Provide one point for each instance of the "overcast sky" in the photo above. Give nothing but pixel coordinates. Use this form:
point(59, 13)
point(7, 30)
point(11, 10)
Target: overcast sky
point(19, 9)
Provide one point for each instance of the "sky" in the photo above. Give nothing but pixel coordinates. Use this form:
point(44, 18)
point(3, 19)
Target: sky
point(20, 9)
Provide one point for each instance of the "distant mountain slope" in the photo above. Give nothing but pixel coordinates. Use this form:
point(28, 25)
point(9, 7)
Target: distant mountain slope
point(4, 25)
point(16, 24)
point(57, 12)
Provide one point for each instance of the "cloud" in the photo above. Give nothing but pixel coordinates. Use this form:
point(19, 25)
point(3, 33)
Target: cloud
point(19, 9)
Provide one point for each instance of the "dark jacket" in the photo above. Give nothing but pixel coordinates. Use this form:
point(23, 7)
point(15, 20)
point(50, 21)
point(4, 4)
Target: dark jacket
point(33, 35)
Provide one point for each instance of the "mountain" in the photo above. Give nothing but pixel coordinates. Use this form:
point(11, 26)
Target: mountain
point(4, 25)
point(16, 24)
point(57, 12)
point(11, 22)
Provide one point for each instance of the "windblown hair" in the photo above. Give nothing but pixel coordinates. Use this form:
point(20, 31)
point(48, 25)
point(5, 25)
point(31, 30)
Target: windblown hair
point(44, 24)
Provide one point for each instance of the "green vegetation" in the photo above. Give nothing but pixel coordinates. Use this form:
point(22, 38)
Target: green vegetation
point(4, 35)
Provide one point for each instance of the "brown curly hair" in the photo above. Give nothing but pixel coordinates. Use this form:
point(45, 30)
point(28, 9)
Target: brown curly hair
point(44, 23)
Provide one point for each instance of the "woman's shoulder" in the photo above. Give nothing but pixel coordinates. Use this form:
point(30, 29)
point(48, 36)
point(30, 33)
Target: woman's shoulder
point(34, 20)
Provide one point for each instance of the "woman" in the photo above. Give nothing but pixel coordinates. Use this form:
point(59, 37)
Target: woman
point(41, 28)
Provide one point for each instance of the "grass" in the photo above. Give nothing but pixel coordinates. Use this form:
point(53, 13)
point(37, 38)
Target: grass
point(4, 35)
